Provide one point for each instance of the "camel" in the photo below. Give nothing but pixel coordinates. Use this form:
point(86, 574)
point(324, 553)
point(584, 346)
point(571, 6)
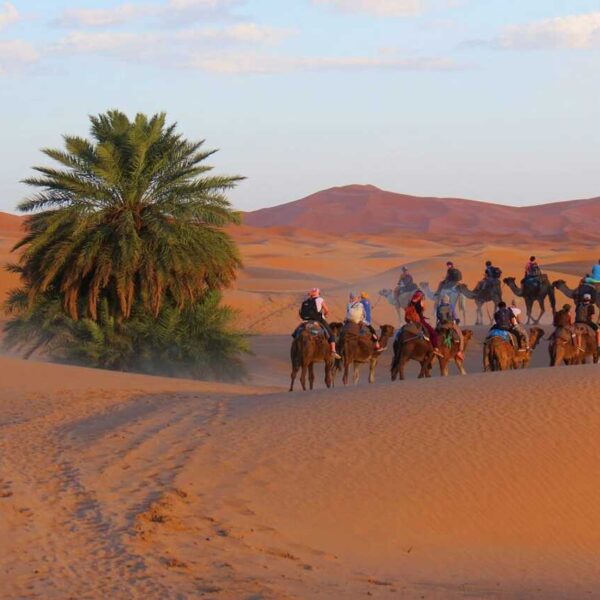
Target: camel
point(500, 355)
point(450, 354)
point(310, 347)
point(563, 351)
point(411, 345)
point(457, 300)
point(534, 293)
point(481, 297)
point(579, 291)
point(357, 348)
point(398, 301)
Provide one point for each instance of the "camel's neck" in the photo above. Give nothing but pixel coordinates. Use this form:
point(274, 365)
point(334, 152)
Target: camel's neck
point(518, 291)
point(566, 290)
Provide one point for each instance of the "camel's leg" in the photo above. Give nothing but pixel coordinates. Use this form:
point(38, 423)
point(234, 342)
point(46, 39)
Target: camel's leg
point(460, 364)
point(372, 365)
point(443, 366)
point(346, 370)
point(295, 369)
point(355, 373)
point(401, 364)
point(542, 304)
point(303, 376)
point(479, 317)
point(328, 373)
point(529, 308)
point(311, 375)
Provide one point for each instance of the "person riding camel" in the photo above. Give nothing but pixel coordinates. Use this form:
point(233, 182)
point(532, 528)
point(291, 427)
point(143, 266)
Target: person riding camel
point(315, 309)
point(406, 280)
point(505, 320)
point(563, 320)
point(518, 326)
point(584, 314)
point(453, 276)
point(364, 300)
point(533, 272)
point(594, 278)
point(415, 313)
point(446, 318)
point(491, 276)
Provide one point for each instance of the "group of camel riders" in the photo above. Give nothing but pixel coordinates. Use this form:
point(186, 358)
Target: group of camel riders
point(507, 319)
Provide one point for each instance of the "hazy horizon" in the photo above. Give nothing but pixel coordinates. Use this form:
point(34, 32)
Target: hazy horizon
point(493, 101)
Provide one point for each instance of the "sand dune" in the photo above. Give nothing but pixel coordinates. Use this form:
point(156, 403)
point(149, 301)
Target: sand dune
point(367, 209)
point(126, 486)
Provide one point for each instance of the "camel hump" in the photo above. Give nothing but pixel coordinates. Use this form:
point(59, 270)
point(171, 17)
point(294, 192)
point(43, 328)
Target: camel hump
point(313, 328)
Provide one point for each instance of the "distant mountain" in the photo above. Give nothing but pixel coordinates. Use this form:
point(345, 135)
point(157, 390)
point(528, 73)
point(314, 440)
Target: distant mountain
point(365, 209)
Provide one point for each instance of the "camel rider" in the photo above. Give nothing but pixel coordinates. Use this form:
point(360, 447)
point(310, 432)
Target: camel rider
point(518, 327)
point(595, 276)
point(584, 314)
point(453, 276)
point(364, 300)
point(491, 277)
point(406, 280)
point(446, 318)
point(505, 320)
point(533, 273)
point(563, 320)
point(314, 308)
point(415, 312)
point(356, 312)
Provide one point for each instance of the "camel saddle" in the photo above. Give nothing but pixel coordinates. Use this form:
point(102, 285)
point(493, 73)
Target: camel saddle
point(415, 329)
point(448, 334)
point(566, 334)
point(507, 336)
point(313, 327)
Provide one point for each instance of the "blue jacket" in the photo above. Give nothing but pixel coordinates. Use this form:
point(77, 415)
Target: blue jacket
point(596, 272)
point(367, 304)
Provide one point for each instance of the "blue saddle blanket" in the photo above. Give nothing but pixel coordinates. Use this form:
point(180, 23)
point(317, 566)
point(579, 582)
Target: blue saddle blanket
point(501, 333)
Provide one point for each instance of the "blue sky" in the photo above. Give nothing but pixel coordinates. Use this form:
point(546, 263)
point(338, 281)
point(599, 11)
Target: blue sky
point(488, 99)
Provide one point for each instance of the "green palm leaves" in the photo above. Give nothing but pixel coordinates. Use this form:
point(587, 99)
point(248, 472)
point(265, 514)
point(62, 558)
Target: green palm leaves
point(132, 215)
point(125, 251)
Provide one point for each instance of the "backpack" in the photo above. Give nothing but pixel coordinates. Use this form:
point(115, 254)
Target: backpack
point(495, 272)
point(444, 314)
point(308, 310)
point(582, 313)
point(503, 318)
point(454, 275)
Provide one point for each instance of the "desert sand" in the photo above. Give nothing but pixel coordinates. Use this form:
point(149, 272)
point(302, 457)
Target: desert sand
point(126, 486)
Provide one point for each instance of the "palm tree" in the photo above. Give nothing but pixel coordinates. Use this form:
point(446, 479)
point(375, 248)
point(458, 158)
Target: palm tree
point(130, 216)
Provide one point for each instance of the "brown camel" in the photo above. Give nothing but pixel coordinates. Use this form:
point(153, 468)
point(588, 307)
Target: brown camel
point(534, 292)
point(309, 347)
point(450, 354)
point(579, 291)
point(564, 349)
point(410, 344)
point(482, 296)
point(500, 355)
point(357, 347)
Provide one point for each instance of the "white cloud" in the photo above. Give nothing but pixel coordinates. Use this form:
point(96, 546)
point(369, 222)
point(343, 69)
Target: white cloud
point(15, 54)
point(168, 10)
point(381, 8)
point(8, 14)
point(167, 46)
point(574, 31)
point(264, 64)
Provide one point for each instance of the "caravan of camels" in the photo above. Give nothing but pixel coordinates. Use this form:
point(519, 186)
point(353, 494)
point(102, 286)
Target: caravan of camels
point(508, 344)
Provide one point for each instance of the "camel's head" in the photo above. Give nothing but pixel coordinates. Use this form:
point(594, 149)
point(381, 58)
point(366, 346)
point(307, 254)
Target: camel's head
point(467, 335)
point(509, 280)
point(558, 282)
point(536, 334)
point(387, 331)
point(386, 293)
